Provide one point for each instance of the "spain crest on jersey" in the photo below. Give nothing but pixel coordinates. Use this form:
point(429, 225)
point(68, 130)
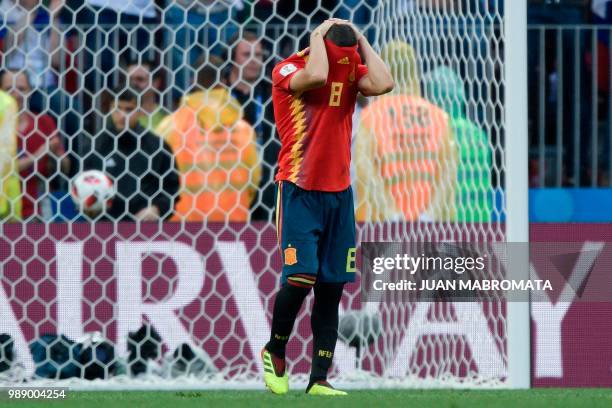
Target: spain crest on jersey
point(290, 256)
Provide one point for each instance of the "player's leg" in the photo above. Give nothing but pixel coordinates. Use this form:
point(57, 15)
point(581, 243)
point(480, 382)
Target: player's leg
point(287, 304)
point(337, 266)
point(297, 228)
point(324, 323)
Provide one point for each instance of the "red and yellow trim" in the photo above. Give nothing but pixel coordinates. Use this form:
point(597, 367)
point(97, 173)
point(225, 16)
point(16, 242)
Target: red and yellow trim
point(279, 213)
point(298, 115)
point(302, 280)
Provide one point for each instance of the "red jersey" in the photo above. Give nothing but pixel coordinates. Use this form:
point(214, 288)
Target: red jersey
point(315, 126)
point(33, 131)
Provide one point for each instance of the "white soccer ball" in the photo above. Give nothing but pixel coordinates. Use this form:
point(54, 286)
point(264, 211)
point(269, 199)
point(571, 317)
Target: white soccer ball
point(92, 190)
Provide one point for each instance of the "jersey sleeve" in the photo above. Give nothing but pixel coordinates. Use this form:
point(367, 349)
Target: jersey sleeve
point(362, 70)
point(284, 71)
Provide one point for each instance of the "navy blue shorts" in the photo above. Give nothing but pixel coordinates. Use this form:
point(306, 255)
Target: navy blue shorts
point(316, 232)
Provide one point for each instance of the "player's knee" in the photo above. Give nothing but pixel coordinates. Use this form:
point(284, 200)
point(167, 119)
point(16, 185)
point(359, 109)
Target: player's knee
point(302, 280)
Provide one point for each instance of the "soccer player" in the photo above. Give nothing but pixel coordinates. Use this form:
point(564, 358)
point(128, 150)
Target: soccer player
point(314, 94)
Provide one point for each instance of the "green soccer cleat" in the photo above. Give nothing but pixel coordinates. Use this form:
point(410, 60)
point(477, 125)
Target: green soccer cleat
point(275, 374)
point(324, 388)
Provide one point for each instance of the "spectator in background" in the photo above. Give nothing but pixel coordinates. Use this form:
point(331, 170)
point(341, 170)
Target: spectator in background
point(31, 40)
point(37, 143)
point(111, 25)
point(147, 84)
point(216, 153)
point(246, 80)
point(395, 180)
point(107, 31)
point(10, 190)
point(140, 163)
point(196, 26)
point(245, 74)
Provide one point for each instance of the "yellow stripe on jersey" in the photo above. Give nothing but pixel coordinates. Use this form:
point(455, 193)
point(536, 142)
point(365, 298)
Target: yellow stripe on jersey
point(299, 122)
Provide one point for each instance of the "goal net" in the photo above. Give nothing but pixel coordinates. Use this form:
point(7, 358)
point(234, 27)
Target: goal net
point(185, 301)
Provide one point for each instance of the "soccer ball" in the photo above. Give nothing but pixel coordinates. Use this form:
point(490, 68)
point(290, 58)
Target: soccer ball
point(92, 191)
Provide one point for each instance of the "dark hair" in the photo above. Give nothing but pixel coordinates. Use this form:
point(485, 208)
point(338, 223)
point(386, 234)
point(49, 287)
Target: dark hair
point(342, 35)
point(125, 95)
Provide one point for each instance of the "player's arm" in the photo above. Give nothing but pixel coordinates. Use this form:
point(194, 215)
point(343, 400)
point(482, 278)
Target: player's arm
point(314, 74)
point(378, 80)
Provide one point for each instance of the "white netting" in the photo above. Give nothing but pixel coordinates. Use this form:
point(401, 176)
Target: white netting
point(203, 271)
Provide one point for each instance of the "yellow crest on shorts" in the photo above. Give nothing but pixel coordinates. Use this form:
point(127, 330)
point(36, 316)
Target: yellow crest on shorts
point(290, 256)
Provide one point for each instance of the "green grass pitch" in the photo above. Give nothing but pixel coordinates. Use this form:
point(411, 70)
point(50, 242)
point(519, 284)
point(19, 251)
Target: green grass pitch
point(548, 398)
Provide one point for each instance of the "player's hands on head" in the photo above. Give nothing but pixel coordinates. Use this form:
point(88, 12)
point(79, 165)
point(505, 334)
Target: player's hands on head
point(327, 24)
point(324, 27)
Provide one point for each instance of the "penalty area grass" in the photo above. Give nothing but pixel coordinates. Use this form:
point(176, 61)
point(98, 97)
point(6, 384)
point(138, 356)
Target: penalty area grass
point(547, 397)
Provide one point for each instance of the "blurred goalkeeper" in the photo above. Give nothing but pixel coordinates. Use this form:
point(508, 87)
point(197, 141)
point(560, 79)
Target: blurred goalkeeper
point(314, 94)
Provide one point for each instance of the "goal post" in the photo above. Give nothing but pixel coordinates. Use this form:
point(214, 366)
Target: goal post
point(517, 212)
